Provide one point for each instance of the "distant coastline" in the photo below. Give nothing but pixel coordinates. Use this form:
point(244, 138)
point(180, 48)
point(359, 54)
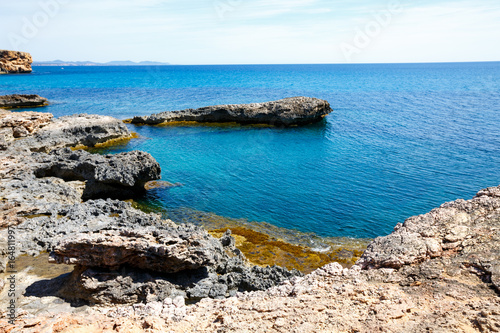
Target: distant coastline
point(91, 63)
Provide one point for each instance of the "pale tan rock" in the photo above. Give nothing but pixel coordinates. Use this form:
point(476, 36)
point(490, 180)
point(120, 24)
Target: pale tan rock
point(15, 62)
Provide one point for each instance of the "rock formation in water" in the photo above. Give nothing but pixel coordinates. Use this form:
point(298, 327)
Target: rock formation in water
point(285, 112)
point(15, 62)
point(22, 101)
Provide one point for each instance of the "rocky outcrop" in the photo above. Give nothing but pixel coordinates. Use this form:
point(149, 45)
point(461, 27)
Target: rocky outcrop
point(42, 133)
point(161, 251)
point(22, 101)
point(15, 62)
point(121, 175)
point(69, 131)
point(285, 112)
point(21, 124)
point(462, 233)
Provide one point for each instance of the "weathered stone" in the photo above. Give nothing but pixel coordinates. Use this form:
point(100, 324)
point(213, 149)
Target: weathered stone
point(70, 131)
point(119, 176)
point(22, 101)
point(21, 124)
point(459, 227)
point(15, 62)
point(285, 112)
point(164, 251)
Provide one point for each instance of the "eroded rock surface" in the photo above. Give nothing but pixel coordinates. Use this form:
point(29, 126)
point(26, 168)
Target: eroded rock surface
point(15, 62)
point(163, 251)
point(70, 131)
point(284, 112)
point(121, 175)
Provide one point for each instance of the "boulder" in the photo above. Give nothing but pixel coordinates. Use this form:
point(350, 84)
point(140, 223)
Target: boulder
point(22, 101)
point(121, 175)
point(15, 62)
point(284, 112)
point(164, 251)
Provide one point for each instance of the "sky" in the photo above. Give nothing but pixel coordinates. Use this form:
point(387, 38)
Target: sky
point(253, 31)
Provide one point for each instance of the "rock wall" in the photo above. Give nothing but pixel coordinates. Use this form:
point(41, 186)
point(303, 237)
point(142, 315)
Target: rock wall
point(15, 62)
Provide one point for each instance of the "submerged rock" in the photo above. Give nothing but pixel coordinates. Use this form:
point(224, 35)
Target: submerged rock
point(22, 101)
point(15, 62)
point(284, 112)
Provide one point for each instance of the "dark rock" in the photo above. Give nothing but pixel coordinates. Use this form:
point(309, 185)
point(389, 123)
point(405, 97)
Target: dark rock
point(285, 112)
point(119, 176)
point(15, 62)
point(22, 101)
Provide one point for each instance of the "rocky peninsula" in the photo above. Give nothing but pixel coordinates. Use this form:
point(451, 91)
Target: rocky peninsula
point(132, 272)
point(285, 112)
point(12, 62)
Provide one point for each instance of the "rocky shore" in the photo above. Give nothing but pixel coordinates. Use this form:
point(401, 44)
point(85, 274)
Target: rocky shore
point(285, 112)
point(64, 201)
point(133, 272)
point(15, 62)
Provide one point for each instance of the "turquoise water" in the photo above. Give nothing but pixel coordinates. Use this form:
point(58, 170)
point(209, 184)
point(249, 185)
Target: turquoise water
point(402, 139)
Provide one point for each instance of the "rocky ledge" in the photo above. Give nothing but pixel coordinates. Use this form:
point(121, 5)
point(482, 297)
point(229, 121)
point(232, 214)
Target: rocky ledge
point(284, 112)
point(42, 133)
point(15, 62)
point(22, 101)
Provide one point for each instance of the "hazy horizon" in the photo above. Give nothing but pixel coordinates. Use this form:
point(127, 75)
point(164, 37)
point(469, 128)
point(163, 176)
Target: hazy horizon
point(254, 32)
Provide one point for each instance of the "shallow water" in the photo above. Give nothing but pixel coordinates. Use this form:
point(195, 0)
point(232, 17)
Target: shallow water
point(402, 139)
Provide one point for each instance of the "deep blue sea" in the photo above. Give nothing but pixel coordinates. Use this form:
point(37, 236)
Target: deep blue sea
point(403, 138)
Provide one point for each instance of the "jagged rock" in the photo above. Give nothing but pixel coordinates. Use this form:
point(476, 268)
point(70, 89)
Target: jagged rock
point(119, 176)
point(70, 131)
point(284, 112)
point(15, 62)
point(164, 251)
point(121, 266)
point(466, 232)
point(22, 101)
point(20, 124)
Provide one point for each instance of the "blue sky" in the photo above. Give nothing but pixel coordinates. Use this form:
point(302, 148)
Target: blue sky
point(253, 31)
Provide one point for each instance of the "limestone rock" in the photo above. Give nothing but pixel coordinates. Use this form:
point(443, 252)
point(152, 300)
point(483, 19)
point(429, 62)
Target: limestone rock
point(466, 232)
point(285, 112)
point(142, 248)
point(119, 176)
point(22, 101)
point(70, 131)
point(15, 62)
point(20, 124)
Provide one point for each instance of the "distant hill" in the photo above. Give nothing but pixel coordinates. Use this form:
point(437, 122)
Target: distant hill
point(91, 63)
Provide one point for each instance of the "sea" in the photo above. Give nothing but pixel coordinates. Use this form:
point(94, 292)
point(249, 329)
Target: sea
point(401, 140)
